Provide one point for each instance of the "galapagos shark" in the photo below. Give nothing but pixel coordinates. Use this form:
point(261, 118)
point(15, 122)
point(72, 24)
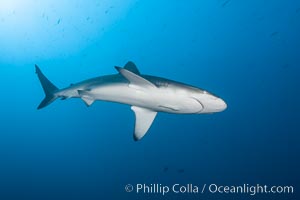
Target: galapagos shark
point(147, 95)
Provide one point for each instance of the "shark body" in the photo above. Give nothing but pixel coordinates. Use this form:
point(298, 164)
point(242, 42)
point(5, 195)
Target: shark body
point(146, 95)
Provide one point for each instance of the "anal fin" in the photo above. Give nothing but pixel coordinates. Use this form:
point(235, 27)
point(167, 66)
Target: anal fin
point(87, 100)
point(86, 97)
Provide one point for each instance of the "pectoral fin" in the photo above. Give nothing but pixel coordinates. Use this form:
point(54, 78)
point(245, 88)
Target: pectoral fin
point(135, 80)
point(143, 120)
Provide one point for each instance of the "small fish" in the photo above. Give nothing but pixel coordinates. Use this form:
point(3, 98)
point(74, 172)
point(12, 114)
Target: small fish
point(274, 34)
point(111, 7)
point(180, 171)
point(58, 21)
point(166, 169)
point(225, 3)
point(88, 18)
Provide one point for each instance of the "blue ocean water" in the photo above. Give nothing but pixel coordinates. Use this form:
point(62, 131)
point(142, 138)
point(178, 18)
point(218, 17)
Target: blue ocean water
point(246, 52)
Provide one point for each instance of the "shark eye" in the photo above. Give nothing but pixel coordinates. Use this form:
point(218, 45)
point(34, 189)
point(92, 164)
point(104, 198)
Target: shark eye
point(161, 84)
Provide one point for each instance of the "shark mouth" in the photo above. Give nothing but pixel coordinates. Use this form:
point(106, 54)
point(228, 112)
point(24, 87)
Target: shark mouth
point(202, 106)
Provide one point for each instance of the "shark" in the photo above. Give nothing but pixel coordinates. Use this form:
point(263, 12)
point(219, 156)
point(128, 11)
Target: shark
point(147, 95)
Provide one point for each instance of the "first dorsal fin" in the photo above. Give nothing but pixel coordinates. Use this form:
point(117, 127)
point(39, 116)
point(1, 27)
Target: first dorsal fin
point(130, 66)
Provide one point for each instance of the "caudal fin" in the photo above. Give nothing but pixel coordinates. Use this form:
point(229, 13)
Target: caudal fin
point(48, 87)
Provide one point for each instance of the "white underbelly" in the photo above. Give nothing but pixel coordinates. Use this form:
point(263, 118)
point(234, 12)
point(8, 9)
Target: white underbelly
point(160, 100)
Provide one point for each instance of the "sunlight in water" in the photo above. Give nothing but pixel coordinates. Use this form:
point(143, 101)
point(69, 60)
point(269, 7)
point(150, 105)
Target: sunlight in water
point(6, 5)
point(52, 27)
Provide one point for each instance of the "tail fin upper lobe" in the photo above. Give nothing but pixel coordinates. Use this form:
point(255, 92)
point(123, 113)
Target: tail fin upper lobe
point(48, 87)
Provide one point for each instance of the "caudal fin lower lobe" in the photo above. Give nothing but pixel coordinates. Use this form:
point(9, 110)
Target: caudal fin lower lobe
point(48, 87)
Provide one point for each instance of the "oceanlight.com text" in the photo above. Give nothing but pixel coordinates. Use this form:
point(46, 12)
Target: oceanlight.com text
point(194, 189)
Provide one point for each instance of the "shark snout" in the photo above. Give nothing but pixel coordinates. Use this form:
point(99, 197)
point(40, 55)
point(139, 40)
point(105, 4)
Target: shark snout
point(220, 105)
point(212, 104)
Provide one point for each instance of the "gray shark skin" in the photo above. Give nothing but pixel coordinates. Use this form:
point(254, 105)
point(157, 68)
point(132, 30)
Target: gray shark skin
point(146, 95)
